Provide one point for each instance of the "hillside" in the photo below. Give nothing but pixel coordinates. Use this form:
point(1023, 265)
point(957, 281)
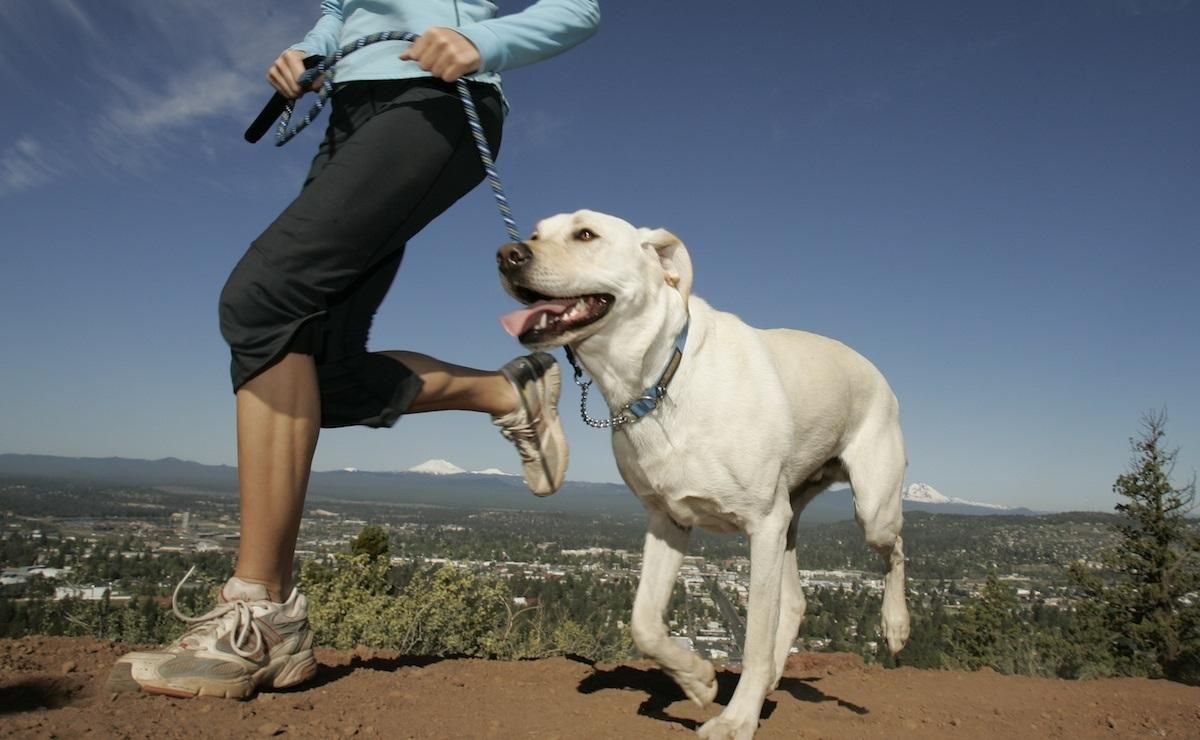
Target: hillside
point(53, 687)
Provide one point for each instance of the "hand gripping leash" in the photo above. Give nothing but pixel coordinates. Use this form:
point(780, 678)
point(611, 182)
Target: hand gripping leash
point(318, 66)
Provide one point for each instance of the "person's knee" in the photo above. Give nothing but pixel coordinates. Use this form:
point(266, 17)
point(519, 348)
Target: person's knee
point(256, 302)
point(231, 307)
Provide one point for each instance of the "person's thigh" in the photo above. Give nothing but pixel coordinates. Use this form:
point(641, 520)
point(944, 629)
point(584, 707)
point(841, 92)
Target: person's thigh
point(387, 168)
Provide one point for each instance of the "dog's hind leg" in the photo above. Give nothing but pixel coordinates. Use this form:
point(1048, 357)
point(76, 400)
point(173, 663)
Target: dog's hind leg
point(666, 543)
point(876, 462)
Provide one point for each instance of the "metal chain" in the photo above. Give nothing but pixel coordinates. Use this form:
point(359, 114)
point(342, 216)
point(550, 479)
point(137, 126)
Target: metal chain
point(325, 67)
point(611, 422)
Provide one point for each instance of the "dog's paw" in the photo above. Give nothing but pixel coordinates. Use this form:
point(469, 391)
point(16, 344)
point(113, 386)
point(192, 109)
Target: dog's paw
point(723, 728)
point(897, 640)
point(700, 684)
point(896, 629)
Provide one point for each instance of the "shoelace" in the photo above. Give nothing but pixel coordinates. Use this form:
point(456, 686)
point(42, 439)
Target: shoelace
point(244, 623)
point(525, 437)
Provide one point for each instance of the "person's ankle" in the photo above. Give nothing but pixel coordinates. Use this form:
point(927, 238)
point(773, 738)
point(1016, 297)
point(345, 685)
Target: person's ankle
point(275, 590)
point(505, 399)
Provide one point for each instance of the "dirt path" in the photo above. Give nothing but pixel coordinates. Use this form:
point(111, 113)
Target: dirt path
point(53, 688)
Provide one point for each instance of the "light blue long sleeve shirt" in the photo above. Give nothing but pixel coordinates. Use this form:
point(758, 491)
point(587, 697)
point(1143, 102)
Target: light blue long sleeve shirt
point(545, 28)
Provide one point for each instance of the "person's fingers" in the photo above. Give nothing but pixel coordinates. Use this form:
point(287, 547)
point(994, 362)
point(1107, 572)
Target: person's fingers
point(281, 83)
point(415, 50)
point(284, 71)
point(295, 68)
point(444, 53)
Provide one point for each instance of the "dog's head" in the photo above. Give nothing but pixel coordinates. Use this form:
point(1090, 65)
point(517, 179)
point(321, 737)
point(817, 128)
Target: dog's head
point(577, 272)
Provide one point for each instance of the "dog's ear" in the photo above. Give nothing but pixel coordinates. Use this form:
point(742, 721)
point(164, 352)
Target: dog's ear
point(673, 256)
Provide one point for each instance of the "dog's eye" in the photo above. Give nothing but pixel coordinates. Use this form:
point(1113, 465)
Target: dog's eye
point(585, 235)
point(533, 237)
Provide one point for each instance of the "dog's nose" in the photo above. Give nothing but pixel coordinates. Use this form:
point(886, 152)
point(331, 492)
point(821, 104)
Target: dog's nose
point(513, 255)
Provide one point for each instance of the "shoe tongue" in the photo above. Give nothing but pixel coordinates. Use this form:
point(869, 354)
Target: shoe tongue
point(236, 589)
point(520, 321)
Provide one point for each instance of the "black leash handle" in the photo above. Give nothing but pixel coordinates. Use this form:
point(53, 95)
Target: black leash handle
point(274, 108)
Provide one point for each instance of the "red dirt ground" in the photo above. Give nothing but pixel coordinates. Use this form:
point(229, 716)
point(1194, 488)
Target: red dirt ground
point(54, 688)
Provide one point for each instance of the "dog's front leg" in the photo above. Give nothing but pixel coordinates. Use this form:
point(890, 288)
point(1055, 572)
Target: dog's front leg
point(768, 541)
point(666, 543)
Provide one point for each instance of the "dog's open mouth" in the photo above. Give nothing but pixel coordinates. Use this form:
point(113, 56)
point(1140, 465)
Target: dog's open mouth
point(545, 318)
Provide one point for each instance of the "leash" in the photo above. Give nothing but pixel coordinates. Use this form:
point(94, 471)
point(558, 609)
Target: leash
point(325, 66)
point(317, 66)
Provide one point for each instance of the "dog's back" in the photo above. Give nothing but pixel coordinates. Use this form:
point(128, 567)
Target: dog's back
point(826, 380)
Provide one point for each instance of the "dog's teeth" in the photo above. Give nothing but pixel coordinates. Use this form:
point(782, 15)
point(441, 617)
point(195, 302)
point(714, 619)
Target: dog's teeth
point(542, 321)
point(579, 308)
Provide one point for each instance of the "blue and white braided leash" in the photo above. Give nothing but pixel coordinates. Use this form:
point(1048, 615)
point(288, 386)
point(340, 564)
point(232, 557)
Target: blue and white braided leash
point(285, 133)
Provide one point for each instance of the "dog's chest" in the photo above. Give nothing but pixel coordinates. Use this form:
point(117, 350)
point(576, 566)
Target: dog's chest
point(668, 480)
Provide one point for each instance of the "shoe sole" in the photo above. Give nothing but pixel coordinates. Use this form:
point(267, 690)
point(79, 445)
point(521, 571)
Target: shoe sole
point(296, 669)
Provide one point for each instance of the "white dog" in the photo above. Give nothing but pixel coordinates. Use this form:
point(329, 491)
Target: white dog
point(719, 425)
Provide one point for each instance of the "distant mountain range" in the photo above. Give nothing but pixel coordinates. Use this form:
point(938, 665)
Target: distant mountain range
point(445, 467)
point(432, 483)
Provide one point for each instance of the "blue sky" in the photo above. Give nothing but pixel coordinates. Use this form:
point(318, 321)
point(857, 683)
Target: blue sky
point(995, 202)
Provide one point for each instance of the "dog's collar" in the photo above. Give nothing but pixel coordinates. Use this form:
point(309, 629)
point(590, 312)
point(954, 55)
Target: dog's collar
point(643, 404)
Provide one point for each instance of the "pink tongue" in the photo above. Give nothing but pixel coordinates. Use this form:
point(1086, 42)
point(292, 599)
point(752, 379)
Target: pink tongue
point(522, 320)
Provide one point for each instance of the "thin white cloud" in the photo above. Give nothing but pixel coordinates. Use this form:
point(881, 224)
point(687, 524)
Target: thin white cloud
point(199, 79)
point(534, 129)
point(72, 11)
point(152, 75)
point(26, 164)
point(39, 32)
point(137, 133)
point(220, 89)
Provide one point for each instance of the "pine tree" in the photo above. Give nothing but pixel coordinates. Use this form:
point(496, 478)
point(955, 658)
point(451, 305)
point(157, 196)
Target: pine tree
point(988, 632)
point(372, 541)
point(925, 645)
point(1151, 605)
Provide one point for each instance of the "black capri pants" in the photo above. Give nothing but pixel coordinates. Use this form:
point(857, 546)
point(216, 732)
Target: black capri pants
point(396, 154)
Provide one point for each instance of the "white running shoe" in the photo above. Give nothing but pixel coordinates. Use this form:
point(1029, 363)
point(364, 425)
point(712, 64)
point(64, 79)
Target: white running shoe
point(534, 426)
point(247, 642)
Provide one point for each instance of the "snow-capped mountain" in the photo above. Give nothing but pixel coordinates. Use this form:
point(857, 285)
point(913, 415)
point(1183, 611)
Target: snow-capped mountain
point(436, 467)
point(445, 467)
point(491, 471)
point(923, 493)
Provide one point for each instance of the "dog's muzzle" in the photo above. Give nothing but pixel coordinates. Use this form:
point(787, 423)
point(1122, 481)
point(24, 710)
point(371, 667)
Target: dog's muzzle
point(513, 256)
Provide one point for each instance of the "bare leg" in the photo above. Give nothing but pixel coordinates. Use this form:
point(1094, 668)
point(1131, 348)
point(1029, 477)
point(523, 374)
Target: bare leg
point(454, 387)
point(278, 421)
